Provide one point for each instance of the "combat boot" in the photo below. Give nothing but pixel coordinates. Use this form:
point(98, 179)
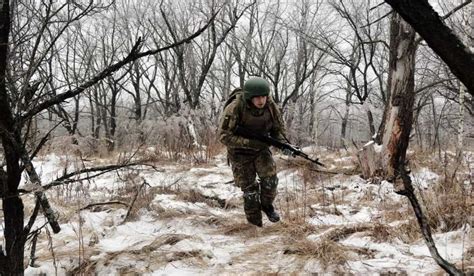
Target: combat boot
point(272, 215)
point(252, 208)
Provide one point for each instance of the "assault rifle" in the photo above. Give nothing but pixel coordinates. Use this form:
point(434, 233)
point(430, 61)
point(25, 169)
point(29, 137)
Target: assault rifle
point(242, 131)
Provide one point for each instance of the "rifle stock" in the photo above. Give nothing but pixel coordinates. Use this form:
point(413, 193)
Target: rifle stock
point(242, 131)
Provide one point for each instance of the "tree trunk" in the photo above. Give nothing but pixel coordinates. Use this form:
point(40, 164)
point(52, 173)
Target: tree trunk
point(137, 100)
point(96, 129)
point(11, 202)
point(76, 114)
point(14, 236)
point(110, 135)
point(91, 106)
point(345, 119)
point(370, 118)
point(468, 24)
point(398, 122)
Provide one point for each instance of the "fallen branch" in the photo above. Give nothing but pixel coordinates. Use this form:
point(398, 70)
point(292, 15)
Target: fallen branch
point(408, 191)
point(102, 204)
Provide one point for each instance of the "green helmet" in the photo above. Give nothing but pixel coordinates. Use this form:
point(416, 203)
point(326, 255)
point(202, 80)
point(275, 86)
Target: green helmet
point(256, 86)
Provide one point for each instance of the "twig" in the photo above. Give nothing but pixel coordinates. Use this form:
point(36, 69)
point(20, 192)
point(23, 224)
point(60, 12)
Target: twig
point(130, 207)
point(174, 183)
point(376, 6)
point(377, 20)
point(462, 5)
point(33, 248)
point(44, 140)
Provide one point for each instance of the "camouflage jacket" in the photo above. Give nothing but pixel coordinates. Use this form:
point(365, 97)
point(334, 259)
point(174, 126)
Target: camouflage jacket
point(266, 121)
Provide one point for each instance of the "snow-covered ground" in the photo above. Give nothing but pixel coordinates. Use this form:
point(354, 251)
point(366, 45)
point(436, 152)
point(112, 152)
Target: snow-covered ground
point(188, 219)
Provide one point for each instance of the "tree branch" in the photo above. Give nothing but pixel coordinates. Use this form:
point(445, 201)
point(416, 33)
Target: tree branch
point(439, 37)
point(423, 222)
point(103, 169)
point(132, 56)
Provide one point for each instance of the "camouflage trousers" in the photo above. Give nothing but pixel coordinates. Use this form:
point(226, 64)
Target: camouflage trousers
point(246, 166)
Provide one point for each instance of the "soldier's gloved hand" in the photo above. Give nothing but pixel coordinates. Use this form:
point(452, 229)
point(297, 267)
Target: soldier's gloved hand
point(288, 152)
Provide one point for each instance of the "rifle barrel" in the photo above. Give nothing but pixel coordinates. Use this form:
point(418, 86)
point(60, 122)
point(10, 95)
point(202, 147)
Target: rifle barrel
point(242, 131)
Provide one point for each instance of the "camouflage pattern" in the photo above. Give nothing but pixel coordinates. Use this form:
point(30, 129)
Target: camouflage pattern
point(250, 158)
point(240, 112)
point(245, 167)
point(268, 189)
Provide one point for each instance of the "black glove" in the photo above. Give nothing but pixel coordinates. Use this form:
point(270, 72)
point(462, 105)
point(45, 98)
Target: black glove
point(288, 152)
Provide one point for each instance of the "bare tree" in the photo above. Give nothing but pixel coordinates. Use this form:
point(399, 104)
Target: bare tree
point(194, 60)
point(360, 61)
point(14, 88)
point(397, 125)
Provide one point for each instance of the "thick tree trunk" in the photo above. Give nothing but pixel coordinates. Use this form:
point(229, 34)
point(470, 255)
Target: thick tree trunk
point(11, 203)
point(399, 114)
point(439, 37)
point(14, 236)
point(399, 123)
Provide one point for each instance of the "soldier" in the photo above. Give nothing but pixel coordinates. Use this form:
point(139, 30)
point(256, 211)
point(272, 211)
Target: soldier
point(255, 110)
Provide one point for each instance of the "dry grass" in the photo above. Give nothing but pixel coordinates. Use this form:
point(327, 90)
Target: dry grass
point(448, 206)
point(177, 256)
point(468, 263)
point(87, 268)
point(239, 228)
point(326, 252)
point(342, 232)
point(395, 212)
point(168, 239)
point(166, 213)
point(295, 203)
point(408, 232)
point(291, 229)
point(216, 221)
point(381, 232)
point(194, 196)
point(148, 253)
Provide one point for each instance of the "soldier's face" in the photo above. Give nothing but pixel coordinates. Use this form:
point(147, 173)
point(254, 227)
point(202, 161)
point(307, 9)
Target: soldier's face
point(259, 101)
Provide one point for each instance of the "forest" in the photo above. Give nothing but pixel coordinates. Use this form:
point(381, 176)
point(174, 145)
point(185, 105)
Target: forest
point(111, 161)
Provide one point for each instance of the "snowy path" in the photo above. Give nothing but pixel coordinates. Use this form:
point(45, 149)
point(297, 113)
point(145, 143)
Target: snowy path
point(190, 221)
